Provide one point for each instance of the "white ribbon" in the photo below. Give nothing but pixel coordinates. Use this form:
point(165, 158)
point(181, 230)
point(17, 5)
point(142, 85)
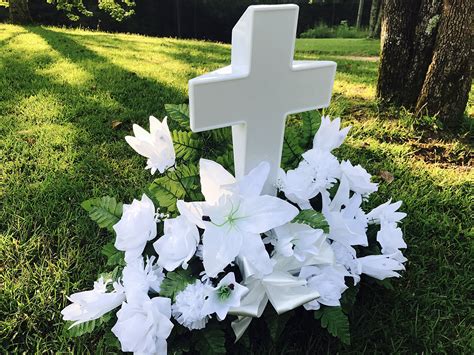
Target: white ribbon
point(284, 291)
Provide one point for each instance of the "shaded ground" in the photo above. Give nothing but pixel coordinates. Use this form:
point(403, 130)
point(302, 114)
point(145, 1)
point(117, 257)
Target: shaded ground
point(60, 91)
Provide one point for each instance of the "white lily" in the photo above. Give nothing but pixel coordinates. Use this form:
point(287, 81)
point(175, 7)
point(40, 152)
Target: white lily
point(178, 244)
point(93, 304)
point(382, 266)
point(235, 216)
point(297, 240)
point(136, 227)
point(386, 212)
point(390, 238)
point(328, 136)
point(156, 145)
point(227, 294)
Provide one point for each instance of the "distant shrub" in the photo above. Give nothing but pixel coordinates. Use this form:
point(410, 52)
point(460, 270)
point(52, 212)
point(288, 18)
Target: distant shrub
point(343, 30)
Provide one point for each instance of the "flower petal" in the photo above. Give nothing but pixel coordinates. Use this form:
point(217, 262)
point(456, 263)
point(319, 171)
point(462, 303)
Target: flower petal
point(213, 176)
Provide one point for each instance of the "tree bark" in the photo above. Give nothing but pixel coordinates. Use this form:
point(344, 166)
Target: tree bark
point(359, 13)
point(398, 23)
point(423, 45)
point(374, 10)
point(447, 84)
point(19, 11)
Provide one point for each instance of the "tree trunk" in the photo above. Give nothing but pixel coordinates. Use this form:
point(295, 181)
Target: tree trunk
point(378, 24)
point(423, 45)
point(398, 23)
point(359, 13)
point(19, 11)
point(374, 8)
point(446, 88)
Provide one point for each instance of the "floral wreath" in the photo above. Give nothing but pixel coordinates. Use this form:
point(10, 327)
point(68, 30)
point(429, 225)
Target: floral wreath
point(188, 265)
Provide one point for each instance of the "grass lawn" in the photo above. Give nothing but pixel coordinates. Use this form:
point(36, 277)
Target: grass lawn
point(61, 90)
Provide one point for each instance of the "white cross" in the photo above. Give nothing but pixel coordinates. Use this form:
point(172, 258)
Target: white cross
point(260, 88)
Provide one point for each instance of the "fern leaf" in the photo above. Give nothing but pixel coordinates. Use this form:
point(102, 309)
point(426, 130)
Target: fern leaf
point(335, 321)
point(313, 219)
point(166, 192)
point(106, 211)
point(187, 145)
point(114, 256)
point(179, 114)
point(175, 282)
point(86, 327)
point(210, 341)
point(292, 151)
point(311, 120)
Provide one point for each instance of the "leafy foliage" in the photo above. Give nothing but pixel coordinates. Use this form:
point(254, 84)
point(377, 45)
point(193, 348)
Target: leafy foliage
point(292, 150)
point(276, 323)
point(86, 327)
point(179, 114)
point(310, 122)
point(187, 145)
point(335, 321)
point(106, 211)
point(175, 282)
point(210, 341)
point(114, 256)
point(175, 185)
point(313, 219)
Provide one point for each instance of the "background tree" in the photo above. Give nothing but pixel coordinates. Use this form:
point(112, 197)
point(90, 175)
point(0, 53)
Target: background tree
point(360, 11)
point(19, 11)
point(426, 57)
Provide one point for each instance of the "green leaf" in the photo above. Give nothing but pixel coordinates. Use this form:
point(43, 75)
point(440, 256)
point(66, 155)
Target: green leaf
point(114, 256)
point(106, 211)
point(175, 282)
point(348, 298)
point(276, 323)
point(227, 161)
point(179, 114)
point(292, 151)
point(210, 341)
point(313, 219)
point(86, 327)
point(335, 321)
point(187, 145)
point(311, 120)
point(166, 192)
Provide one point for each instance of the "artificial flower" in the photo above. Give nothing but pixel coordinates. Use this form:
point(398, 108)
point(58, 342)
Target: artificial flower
point(235, 215)
point(386, 212)
point(142, 328)
point(225, 295)
point(346, 255)
point(93, 304)
point(328, 136)
point(348, 225)
point(328, 281)
point(317, 172)
point(295, 239)
point(178, 244)
point(390, 238)
point(188, 306)
point(381, 267)
point(156, 145)
point(136, 227)
point(139, 278)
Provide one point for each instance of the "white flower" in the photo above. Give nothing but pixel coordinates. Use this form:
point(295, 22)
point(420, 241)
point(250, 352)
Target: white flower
point(346, 255)
point(142, 328)
point(328, 136)
point(386, 213)
point(382, 266)
point(226, 295)
point(93, 304)
point(349, 225)
point(359, 178)
point(157, 145)
point(294, 239)
point(390, 238)
point(328, 280)
point(235, 216)
point(138, 278)
point(178, 244)
point(188, 306)
point(316, 173)
point(136, 227)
